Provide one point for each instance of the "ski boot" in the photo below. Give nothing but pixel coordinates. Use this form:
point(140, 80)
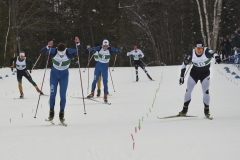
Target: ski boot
point(136, 78)
point(184, 111)
point(21, 94)
point(91, 95)
point(51, 115)
point(206, 112)
point(61, 116)
point(105, 98)
point(98, 93)
point(149, 77)
point(39, 91)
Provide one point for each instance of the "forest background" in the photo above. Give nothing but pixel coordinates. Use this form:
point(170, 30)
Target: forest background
point(165, 30)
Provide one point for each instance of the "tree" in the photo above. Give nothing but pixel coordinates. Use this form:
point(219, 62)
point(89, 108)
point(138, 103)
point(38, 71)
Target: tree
point(212, 17)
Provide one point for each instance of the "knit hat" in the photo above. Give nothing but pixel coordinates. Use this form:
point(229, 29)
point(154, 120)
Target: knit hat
point(105, 42)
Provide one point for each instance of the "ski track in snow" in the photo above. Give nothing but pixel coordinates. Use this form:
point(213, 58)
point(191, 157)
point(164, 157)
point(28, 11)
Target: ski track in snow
point(105, 131)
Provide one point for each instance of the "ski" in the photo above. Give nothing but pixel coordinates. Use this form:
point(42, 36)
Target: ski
point(100, 96)
point(19, 98)
point(45, 95)
point(25, 98)
point(63, 124)
point(93, 99)
point(175, 116)
point(210, 118)
point(50, 121)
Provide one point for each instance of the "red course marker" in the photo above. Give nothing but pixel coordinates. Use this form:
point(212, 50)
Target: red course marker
point(132, 137)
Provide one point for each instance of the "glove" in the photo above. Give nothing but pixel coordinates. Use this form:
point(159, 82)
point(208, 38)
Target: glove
point(181, 80)
point(88, 46)
point(218, 60)
point(30, 71)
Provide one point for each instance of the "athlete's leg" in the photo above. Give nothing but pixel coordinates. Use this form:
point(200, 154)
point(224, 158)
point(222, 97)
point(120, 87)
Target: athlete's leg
point(206, 97)
point(53, 86)
point(63, 83)
point(143, 68)
point(136, 68)
point(29, 78)
point(192, 81)
point(97, 72)
point(105, 77)
point(19, 79)
point(99, 85)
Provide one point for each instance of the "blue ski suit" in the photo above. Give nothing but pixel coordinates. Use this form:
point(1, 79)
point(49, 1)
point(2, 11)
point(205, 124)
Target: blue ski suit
point(59, 73)
point(102, 65)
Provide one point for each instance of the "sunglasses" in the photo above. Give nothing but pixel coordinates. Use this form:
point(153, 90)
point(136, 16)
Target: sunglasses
point(198, 48)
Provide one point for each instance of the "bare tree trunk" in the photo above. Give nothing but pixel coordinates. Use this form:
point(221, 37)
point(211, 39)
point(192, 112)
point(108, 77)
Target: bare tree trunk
point(5, 51)
point(144, 26)
point(90, 27)
point(201, 22)
point(207, 23)
point(214, 14)
point(181, 39)
point(216, 23)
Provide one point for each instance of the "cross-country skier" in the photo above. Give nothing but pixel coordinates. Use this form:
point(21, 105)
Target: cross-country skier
point(21, 65)
point(61, 58)
point(104, 54)
point(137, 54)
point(200, 57)
point(95, 55)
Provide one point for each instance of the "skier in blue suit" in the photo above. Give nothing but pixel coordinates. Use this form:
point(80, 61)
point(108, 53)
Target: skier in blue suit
point(61, 58)
point(104, 54)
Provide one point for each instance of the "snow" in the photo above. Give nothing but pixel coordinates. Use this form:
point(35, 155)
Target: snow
point(105, 131)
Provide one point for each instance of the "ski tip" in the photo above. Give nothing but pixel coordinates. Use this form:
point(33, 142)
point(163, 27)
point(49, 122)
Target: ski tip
point(63, 124)
point(210, 118)
point(18, 98)
point(161, 117)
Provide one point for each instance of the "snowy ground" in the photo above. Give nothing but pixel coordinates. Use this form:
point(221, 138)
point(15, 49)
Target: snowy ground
point(104, 133)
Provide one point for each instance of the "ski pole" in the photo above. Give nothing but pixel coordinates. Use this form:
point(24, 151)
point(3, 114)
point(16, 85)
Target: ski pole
point(81, 80)
point(143, 63)
point(111, 79)
point(42, 82)
point(146, 66)
point(114, 61)
point(88, 72)
point(88, 63)
point(187, 70)
point(36, 62)
point(131, 67)
point(228, 57)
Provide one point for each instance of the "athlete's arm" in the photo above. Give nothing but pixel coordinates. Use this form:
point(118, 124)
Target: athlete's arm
point(187, 60)
point(211, 54)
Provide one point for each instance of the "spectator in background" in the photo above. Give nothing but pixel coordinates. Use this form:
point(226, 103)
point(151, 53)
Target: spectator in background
point(219, 45)
point(227, 47)
point(222, 47)
point(236, 39)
